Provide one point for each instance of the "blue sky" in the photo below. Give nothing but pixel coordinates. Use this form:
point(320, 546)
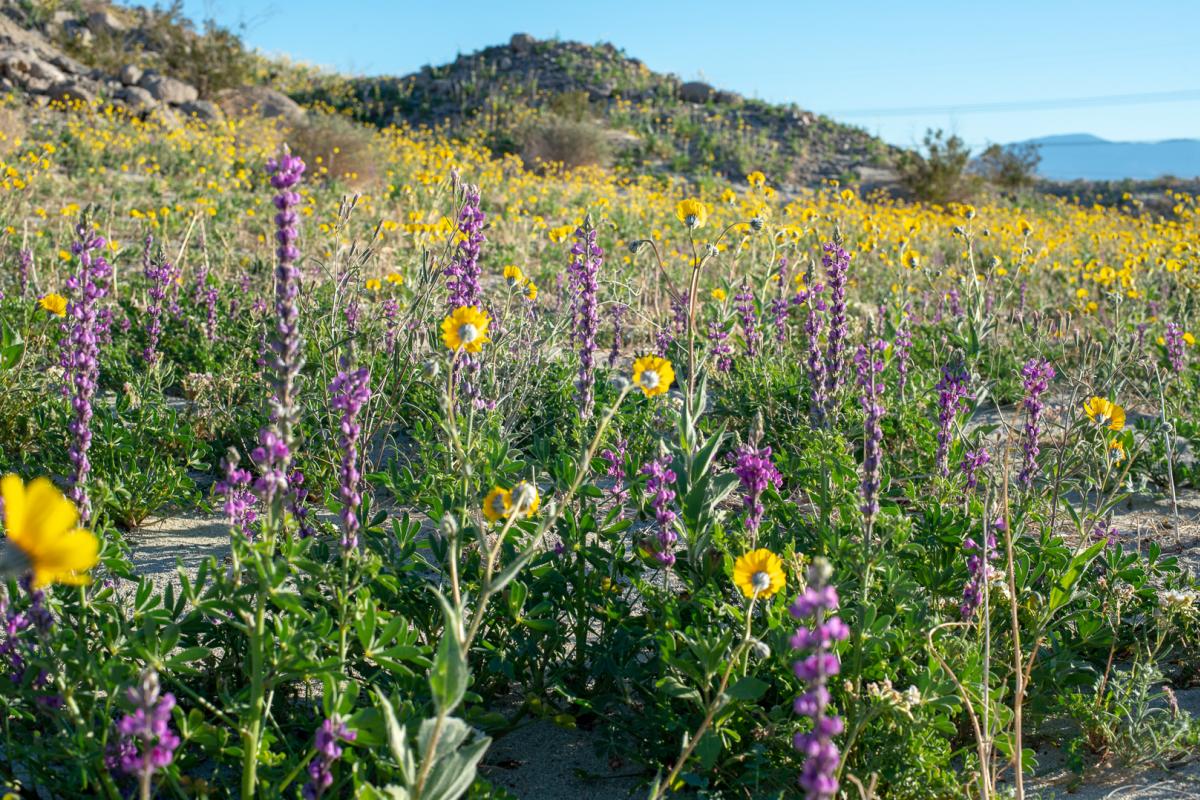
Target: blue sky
point(893, 67)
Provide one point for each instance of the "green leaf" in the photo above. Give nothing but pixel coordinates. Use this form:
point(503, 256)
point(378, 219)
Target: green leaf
point(748, 688)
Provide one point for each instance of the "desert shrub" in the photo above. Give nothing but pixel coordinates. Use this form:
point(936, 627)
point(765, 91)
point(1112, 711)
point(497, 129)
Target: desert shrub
point(571, 143)
point(337, 148)
point(940, 174)
point(1011, 169)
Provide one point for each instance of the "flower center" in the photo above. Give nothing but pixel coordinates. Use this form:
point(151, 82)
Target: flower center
point(691, 220)
point(468, 333)
point(761, 581)
point(650, 379)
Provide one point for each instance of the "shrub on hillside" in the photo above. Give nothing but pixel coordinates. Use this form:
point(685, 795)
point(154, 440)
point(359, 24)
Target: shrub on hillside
point(939, 175)
point(1011, 169)
point(569, 143)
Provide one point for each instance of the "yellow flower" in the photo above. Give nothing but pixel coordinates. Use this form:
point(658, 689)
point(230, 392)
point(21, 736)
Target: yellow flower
point(514, 275)
point(1117, 448)
point(692, 213)
point(728, 197)
point(531, 503)
point(531, 290)
point(374, 284)
point(1105, 413)
point(41, 525)
point(911, 259)
point(395, 278)
point(719, 295)
point(756, 179)
point(56, 304)
point(759, 573)
point(466, 328)
point(1189, 339)
point(497, 504)
point(653, 375)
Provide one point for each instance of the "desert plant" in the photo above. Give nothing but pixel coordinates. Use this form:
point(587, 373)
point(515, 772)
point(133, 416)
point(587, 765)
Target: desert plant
point(940, 174)
point(554, 140)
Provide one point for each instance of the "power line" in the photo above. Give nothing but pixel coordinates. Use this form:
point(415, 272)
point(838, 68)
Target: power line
point(1179, 96)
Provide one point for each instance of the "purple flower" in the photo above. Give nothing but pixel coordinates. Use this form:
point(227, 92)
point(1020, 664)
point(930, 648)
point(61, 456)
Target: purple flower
point(814, 327)
point(239, 499)
point(719, 347)
point(615, 457)
point(658, 488)
point(391, 310)
point(837, 267)
point(903, 347)
point(462, 276)
point(350, 391)
point(818, 776)
point(145, 741)
point(24, 264)
point(972, 462)
point(81, 354)
point(206, 295)
point(979, 569)
point(869, 362)
point(320, 769)
point(617, 311)
point(160, 275)
point(743, 304)
point(1037, 373)
point(1173, 339)
point(756, 472)
point(952, 392)
point(587, 258)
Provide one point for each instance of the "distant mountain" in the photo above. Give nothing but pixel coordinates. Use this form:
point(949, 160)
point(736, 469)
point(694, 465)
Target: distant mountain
point(1076, 156)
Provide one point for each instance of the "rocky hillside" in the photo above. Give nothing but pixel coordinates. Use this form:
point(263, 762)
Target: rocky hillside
point(649, 119)
point(548, 101)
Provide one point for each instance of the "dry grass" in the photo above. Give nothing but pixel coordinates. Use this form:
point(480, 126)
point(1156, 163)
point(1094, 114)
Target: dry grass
point(336, 148)
point(12, 129)
point(553, 140)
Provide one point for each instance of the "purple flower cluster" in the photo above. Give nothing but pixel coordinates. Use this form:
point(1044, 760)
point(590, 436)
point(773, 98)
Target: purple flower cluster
point(462, 276)
point(658, 488)
point(12, 648)
point(814, 328)
point(868, 360)
point(320, 769)
point(756, 472)
point(239, 499)
point(952, 392)
point(837, 267)
point(615, 458)
point(721, 351)
point(350, 390)
point(391, 309)
point(24, 264)
point(159, 274)
point(586, 259)
point(903, 348)
point(781, 305)
point(818, 777)
point(1173, 339)
point(145, 742)
point(617, 311)
point(81, 354)
point(273, 455)
point(1037, 374)
point(972, 462)
point(743, 303)
point(979, 569)
point(206, 295)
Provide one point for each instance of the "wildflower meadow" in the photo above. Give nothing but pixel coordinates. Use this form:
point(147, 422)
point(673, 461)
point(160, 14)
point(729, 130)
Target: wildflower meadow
point(806, 493)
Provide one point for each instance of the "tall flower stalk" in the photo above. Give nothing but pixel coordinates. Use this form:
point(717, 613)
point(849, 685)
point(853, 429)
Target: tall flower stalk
point(903, 349)
point(1037, 374)
point(586, 259)
point(952, 392)
point(159, 273)
point(660, 479)
point(462, 275)
point(81, 353)
point(743, 303)
point(145, 740)
point(837, 267)
point(869, 362)
point(756, 472)
point(351, 390)
point(814, 329)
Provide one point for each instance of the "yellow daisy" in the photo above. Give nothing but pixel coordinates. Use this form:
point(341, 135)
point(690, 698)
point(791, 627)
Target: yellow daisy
point(719, 295)
point(534, 502)
point(514, 275)
point(653, 375)
point(759, 573)
point(497, 504)
point(1105, 413)
point(692, 212)
point(56, 304)
point(41, 525)
point(395, 278)
point(374, 284)
point(466, 329)
point(531, 290)
point(1116, 449)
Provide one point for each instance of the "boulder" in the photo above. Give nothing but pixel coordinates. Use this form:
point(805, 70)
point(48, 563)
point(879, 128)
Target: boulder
point(23, 65)
point(695, 92)
point(71, 91)
point(105, 21)
point(262, 101)
point(130, 74)
point(168, 90)
point(203, 109)
point(727, 98)
point(521, 43)
point(137, 98)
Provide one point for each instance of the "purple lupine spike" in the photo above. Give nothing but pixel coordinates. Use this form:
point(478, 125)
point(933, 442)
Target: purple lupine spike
point(980, 571)
point(297, 503)
point(274, 453)
point(662, 342)
point(350, 390)
point(972, 462)
point(462, 275)
point(743, 304)
point(679, 314)
point(239, 499)
point(81, 354)
point(722, 352)
point(24, 264)
point(814, 327)
point(587, 257)
point(326, 743)
point(756, 472)
point(391, 309)
point(818, 777)
point(837, 267)
point(1173, 339)
point(869, 362)
point(953, 391)
point(160, 274)
point(145, 740)
point(617, 311)
point(658, 488)
point(1037, 373)
point(903, 348)
point(615, 456)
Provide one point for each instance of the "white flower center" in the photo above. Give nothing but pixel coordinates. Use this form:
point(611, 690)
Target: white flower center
point(761, 581)
point(650, 379)
point(468, 333)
